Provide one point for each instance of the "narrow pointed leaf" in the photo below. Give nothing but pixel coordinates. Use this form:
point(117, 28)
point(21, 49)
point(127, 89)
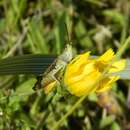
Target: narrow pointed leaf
point(27, 64)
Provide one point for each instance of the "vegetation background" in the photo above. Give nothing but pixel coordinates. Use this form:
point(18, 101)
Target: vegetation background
point(37, 26)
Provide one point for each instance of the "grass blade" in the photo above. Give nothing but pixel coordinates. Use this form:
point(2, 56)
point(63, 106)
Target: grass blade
point(27, 64)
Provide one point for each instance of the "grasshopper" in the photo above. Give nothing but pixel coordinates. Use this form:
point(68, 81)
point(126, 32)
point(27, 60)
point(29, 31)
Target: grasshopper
point(53, 71)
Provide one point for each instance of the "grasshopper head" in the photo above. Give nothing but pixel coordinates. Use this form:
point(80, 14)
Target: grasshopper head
point(67, 54)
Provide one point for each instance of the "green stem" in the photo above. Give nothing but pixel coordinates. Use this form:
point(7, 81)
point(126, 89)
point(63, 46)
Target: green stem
point(122, 49)
point(119, 53)
point(69, 112)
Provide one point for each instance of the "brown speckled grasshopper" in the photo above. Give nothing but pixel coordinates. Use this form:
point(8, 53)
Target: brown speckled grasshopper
point(53, 72)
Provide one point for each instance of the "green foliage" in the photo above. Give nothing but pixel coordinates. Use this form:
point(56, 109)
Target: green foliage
point(31, 27)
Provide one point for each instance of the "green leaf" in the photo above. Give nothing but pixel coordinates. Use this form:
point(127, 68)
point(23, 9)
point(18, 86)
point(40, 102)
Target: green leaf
point(26, 64)
point(115, 126)
point(116, 16)
point(107, 121)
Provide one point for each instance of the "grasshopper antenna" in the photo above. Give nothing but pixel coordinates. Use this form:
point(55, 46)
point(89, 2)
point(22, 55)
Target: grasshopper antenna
point(68, 38)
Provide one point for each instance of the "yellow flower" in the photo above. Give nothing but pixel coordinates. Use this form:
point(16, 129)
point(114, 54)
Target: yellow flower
point(83, 71)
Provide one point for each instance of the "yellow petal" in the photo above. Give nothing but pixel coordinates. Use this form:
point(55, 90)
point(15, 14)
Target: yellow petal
point(107, 56)
point(82, 83)
point(106, 83)
point(118, 66)
point(77, 63)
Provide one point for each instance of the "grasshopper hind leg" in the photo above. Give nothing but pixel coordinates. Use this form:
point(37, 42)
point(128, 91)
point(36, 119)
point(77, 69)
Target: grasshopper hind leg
point(58, 76)
point(38, 85)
